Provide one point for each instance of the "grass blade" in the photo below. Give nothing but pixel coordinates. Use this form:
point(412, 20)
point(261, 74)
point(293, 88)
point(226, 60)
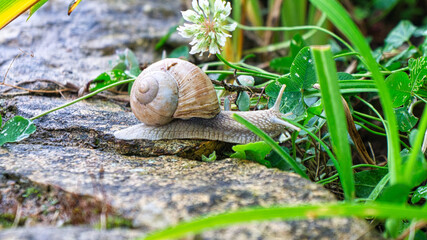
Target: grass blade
point(270, 142)
point(36, 7)
point(291, 213)
point(82, 98)
point(340, 18)
point(11, 9)
point(335, 116)
point(325, 147)
point(416, 148)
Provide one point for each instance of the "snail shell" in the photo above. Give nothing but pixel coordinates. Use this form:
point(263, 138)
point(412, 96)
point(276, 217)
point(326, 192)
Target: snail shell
point(173, 88)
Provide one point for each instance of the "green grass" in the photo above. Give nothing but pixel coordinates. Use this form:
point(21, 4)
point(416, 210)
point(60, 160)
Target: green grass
point(335, 116)
point(380, 211)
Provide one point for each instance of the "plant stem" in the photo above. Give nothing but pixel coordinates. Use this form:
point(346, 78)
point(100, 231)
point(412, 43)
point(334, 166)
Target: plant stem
point(327, 74)
point(266, 75)
point(342, 20)
point(368, 74)
point(267, 139)
point(286, 44)
point(380, 210)
point(368, 123)
point(419, 97)
point(244, 27)
point(327, 150)
point(335, 176)
point(416, 148)
point(346, 54)
point(373, 109)
point(82, 98)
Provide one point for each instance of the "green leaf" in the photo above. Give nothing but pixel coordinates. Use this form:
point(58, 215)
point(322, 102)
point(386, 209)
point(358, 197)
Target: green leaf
point(126, 62)
point(400, 34)
point(165, 38)
point(366, 181)
point(130, 85)
point(292, 101)
point(253, 151)
point(316, 108)
point(302, 74)
point(36, 7)
point(227, 104)
point(243, 101)
point(344, 76)
point(417, 167)
point(291, 86)
point(396, 193)
point(297, 44)
point(267, 139)
point(16, 129)
point(421, 31)
point(384, 4)
point(180, 52)
point(245, 80)
point(132, 63)
point(281, 65)
point(211, 158)
point(405, 120)
point(1, 121)
point(278, 162)
point(403, 55)
point(420, 235)
point(423, 47)
point(418, 72)
point(399, 87)
point(420, 193)
point(107, 78)
point(412, 137)
point(379, 188)
point(120, 66)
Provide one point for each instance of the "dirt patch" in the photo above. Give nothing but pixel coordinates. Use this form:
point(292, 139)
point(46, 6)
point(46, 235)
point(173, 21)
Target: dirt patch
point(25, 203)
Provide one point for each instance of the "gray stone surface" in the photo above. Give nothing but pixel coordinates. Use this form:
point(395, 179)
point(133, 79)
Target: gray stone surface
point(78, 47)
point(92, 124)
point(162, 191)
point(74, 233)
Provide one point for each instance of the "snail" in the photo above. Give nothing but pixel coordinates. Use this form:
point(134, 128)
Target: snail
point(174, 99)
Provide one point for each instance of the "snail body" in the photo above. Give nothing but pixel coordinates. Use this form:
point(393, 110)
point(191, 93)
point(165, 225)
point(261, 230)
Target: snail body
point(193, 112)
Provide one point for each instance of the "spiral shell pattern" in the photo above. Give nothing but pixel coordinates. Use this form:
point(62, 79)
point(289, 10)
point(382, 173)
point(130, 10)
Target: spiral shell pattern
point(173, 88)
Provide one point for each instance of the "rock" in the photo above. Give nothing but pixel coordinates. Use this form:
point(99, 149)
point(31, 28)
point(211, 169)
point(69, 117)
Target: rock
point(81, 233)
point(77, 48)
point(163, 191)
point(91, 123)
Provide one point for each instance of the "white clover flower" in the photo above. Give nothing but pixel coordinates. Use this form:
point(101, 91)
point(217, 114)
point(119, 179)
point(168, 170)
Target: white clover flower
point(209, 28)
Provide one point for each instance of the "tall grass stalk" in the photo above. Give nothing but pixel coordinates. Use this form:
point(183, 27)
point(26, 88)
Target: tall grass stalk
point(284, 155)
point(335, 116)
point(340, 18)
point(377, 210)
point(83, 97)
